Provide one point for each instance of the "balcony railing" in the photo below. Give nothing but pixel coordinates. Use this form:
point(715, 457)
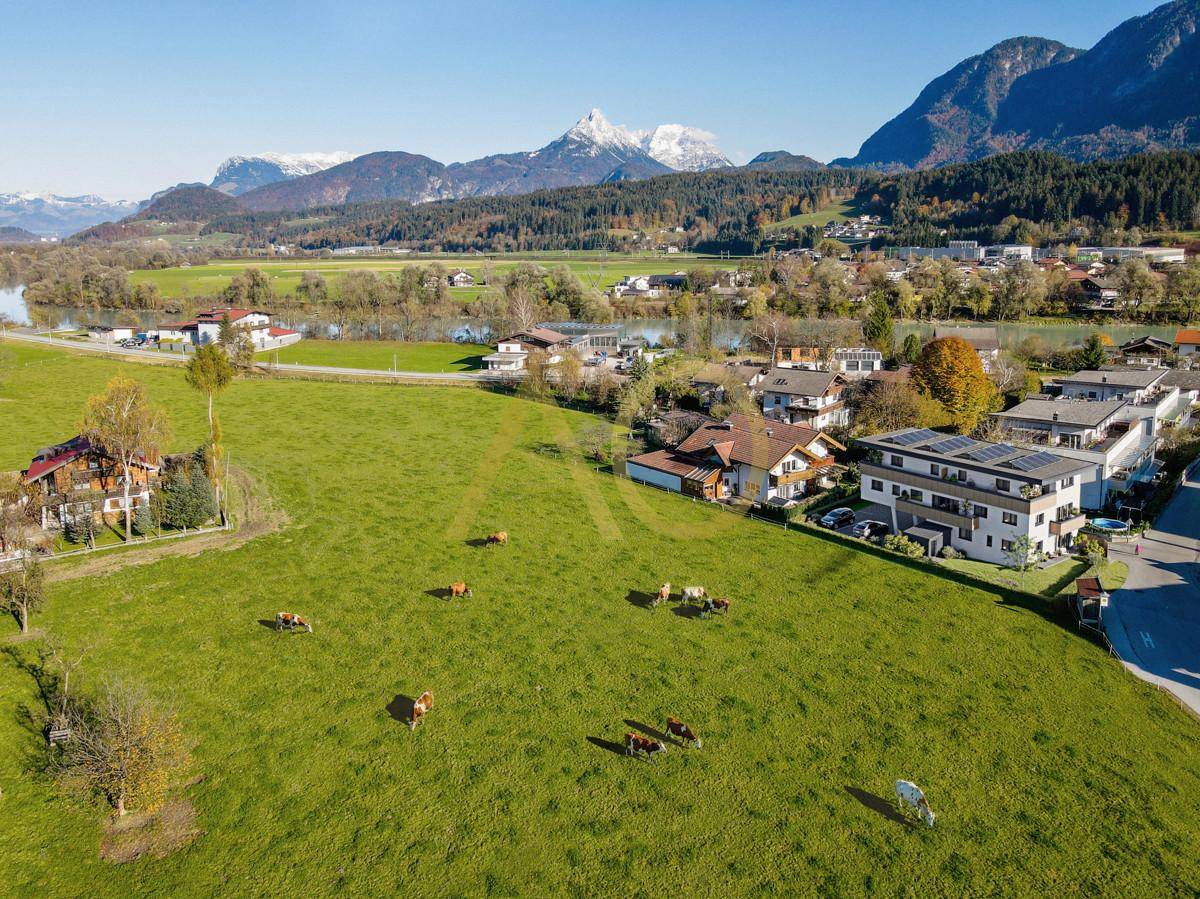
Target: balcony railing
point(1067, 525)
point(947, 517)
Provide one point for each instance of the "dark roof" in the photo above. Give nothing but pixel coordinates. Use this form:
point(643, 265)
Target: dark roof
point(1074, 412)
point(901, 375)
point(981, 338)
point(994, 458)
point(671, 463)
point(1148, 340)
point(1184, 380)
point(798, 382)
point(716, 372)
point(1134, 378)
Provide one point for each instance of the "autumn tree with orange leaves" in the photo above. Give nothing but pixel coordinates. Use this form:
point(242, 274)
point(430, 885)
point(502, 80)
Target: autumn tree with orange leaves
point(949, 370)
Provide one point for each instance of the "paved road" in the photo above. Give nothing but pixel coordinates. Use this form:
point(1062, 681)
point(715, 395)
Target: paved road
point(155, 356)
point(1154, 620)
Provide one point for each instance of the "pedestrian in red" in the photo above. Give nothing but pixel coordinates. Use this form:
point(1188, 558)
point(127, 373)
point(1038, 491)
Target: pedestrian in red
point(1137, 549)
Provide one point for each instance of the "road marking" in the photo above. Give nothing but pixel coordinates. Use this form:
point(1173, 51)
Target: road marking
point(1146, 639)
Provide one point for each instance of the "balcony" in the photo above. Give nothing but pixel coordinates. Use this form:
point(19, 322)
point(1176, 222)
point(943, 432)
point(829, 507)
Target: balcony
point(1068, 524)
point(795, 477)
point(959, 489)
point(941, 516)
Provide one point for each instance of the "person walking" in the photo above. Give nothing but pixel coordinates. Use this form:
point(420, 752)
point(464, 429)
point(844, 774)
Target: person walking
point(1137, 549)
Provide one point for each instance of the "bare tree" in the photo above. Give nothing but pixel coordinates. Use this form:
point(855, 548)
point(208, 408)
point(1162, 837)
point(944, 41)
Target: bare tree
point(770, 331)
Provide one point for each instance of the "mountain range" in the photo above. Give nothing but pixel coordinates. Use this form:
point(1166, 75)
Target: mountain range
point(1137, 89)
point(55, 216)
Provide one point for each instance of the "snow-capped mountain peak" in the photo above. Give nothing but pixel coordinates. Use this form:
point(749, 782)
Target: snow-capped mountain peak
point(238, 174)
point(682, 148)
point(595, 129)
point(51, 214)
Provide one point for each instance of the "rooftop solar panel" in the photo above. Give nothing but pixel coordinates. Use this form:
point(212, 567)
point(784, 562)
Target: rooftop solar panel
point(992, 451)
point(1033, 462)
point(914, 437)
point(951, 445)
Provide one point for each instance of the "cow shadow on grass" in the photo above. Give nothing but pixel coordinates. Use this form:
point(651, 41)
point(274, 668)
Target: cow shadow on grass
point(880, 806)
point(640, 599)
point(477, 542)
point(607, 744)
point(401, 708)
point(268, 623)
point(439, 592)
point(686, 610)
point(651, 732)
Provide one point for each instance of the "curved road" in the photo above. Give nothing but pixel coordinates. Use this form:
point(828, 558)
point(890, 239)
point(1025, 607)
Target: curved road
point(168, 358)
point(1153, 621)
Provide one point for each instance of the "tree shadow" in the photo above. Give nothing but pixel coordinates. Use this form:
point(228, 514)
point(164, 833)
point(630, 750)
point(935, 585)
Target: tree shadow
point(607, 744)
point(439, 592)
point(640, 599)
point(686, 610)
point(651, 732)
point(881, 806)
point(401, 708)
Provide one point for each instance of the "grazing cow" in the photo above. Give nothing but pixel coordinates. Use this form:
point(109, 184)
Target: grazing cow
point(423, 704)
point(664, 593)
point(500, 538)
point(636, 744)
point(694, 594)
point(459, 588)
point(677, 728)
point(909, 795)
point(287, 621)
point(714, 605)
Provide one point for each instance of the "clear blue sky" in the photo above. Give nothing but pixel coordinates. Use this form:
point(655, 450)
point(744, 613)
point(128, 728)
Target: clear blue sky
point(122, 99)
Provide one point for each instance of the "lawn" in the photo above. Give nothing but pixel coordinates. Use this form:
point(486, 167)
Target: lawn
point(1053, 581)
point(382, 354)
point(206, 280)
point(835, 212)
point(1053, 771)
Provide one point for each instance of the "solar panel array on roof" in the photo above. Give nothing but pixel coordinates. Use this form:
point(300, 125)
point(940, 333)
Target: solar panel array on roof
point(914, 437)
point(951, 445)
point(1033, 462)
point(991, 451)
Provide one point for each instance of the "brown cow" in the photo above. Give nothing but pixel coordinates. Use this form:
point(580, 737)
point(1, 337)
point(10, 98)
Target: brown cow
point(459, 588)
point(636, 744)
point(664, 593)
point(423, 704)
point(714, 605)
point(500, 538)
point(287, 621)
point(677, 728)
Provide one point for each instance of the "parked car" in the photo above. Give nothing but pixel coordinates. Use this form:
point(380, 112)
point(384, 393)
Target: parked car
point(593, 360)
point(838, 518)
point(869, 530)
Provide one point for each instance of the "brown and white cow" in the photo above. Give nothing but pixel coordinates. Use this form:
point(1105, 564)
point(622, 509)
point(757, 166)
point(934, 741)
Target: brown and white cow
point(677, 728)
point(636, 744)
point(500, 538)
point(423, 704)
point(288, 621)
point(693, 594)
point(459, 588)
point(664, 593)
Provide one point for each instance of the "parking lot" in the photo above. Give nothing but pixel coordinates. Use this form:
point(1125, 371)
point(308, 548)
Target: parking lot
point(870, 512)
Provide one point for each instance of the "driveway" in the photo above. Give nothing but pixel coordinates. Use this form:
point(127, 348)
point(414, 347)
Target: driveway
point(1153, 622)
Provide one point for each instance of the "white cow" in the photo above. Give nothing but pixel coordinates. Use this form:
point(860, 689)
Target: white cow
point(694, 594)
point(909, 795)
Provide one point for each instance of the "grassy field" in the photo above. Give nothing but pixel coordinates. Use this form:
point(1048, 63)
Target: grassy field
point(1057, 580)
point(382, 354)
point(285, 274)
point(1053, 771)
point(836, 212)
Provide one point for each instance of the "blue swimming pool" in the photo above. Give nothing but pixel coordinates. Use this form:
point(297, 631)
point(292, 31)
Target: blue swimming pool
point(1108, 524)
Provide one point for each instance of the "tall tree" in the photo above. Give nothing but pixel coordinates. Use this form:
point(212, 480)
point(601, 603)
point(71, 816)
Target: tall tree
point(209, 371)
point(879, 325)
point(124, 423)
point(949, 370)
point(1092, 356)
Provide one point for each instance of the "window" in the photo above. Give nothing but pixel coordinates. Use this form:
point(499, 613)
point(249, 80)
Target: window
point(1006, 545)
point(916, 496)
point(962, 475)
point(1041, 519)
point(1009, 517)
point(989, 541)
point(980, 511)
point(877, 485)
point(897, 461)
point(1067, 482)
point(1002, 485)
point(933, 470)
point(964, 534)
point(895, 490)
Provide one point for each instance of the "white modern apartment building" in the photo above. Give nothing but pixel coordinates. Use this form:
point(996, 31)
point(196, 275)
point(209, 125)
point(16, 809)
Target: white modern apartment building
point(975, 496)
point(1115, 438)
point(1134, 385)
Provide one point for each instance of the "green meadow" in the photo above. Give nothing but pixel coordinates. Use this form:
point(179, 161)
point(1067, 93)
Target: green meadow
point(1053, 772)
point(835, 212)
point(382, 354)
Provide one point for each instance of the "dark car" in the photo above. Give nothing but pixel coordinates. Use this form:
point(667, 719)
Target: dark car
point(838, 518)
point(869, 530)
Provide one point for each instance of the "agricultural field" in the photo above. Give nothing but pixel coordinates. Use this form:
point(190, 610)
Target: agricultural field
point(382, 354)
point(835, 212)
point(1053, 772)
point(206, 280)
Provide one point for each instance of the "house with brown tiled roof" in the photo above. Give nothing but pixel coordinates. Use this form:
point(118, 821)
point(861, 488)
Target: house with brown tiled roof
point(743, 456)
point(513, 351)
point(1187, 341)
point(812, 398)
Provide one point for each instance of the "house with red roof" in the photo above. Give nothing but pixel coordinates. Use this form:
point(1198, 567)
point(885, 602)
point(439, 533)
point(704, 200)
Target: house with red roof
point(746, 456)
point(1187, 341)
point(78, 477)
point(206, 328)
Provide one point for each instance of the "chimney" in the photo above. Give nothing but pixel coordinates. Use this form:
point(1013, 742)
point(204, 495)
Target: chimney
point(1104, 379)
point(769, 432)
point(1056, 416)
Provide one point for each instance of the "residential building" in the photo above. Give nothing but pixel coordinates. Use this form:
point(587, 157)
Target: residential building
point(976, 497)
point(1147, 350)
point(986, 342)
point(853, 362)
point(1187, 341)
point(815, 399)
point(513, 351)
point(111, 334)
point(1132, 385)
point(743, 456)
point(461, 278)
point(1116, 438)
point(78, 477)
point(711, 380)
point(206, 328)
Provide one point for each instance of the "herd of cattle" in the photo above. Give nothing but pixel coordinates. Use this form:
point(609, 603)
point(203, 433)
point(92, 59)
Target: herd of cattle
point(908, 794)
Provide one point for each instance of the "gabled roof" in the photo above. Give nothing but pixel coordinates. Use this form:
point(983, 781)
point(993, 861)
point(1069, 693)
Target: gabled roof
point(1187, 335)
point(986, 339)
point(715, 373)
point(1137, 378)
point(673, 464)
point(215, 315)
point(1147, 340)
point(798, 382)
point(753, 441)
point(537, 335)
point(55, 457)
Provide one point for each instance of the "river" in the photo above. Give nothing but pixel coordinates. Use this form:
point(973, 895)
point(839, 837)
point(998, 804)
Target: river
point(729, 331)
